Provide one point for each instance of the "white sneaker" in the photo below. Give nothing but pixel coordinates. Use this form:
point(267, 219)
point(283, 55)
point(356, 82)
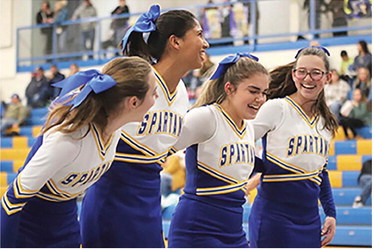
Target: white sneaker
point(357, 202)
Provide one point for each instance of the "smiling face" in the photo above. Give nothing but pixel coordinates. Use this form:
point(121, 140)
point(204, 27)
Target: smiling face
point(193, 46)
point(249, 96)
point(307, 87)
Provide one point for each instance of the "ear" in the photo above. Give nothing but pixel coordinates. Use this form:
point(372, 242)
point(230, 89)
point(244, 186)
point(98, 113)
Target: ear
point(175, 42)
point(328, 77)
point(132, 102)
point(229, 89)
point(293, 76)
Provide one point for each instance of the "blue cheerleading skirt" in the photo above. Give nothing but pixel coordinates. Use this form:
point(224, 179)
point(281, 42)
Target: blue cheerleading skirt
point(123, 209)
point(46, 224)
point(275, 224)
point(199, 224)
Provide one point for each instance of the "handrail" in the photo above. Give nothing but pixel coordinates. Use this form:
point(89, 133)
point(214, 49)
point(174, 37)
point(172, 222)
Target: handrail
point(99, 52)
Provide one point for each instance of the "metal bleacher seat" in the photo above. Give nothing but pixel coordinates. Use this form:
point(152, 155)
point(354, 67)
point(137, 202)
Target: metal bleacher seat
point(37, 116)
point(17, 142)
point(365, 132)
point(345, 147)
point(351, 216)
point(345, 196)
point(349, 235)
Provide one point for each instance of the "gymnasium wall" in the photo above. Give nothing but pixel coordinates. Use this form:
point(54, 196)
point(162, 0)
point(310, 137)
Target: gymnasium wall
point(20, 13)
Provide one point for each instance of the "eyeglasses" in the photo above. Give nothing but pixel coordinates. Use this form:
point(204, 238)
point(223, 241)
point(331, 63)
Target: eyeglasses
point(315, 74)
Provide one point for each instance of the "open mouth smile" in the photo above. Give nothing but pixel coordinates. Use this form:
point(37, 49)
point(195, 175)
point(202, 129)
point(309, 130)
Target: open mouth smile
point(306, 86)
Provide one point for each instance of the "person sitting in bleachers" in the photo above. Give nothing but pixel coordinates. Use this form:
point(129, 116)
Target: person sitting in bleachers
point(364, 180)
point(38, 92)
point(173, 178)
point(14, 115)
point(74, 68)
point(363, 81)
point(55, 76)
point(336, 93)
point(359, 114)
point(345, 66)
point(363, 59)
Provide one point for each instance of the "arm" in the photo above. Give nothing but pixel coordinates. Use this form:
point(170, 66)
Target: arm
point(268, 117)
point(39, 18)
point(327, 201)
point(36, 173)
point(114, 12)
point(198, 126)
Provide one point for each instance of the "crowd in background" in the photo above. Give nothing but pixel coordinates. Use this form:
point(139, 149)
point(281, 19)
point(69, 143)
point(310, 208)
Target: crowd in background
point(220, 20)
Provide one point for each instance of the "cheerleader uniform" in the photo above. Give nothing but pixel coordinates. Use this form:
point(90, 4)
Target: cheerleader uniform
point(218, 163)
point(39, 208)
point(123, 209)
point(285, 210)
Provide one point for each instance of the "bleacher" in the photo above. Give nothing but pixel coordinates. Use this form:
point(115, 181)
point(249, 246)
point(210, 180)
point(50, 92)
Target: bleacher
point(354, 227)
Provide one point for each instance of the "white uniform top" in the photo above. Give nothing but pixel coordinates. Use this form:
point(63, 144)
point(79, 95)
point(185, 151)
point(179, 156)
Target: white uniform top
point(223, 151)
point(63, 167)
point(160, 128)
point(293, 141)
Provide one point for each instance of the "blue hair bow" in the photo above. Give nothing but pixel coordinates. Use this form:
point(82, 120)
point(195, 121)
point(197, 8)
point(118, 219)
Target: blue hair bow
point(317, 47)
point(145, 23)
point(227, 61)
point(93, 81)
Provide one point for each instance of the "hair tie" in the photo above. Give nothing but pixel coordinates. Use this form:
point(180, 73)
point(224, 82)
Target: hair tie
point(145, 23)
point(227, 61)
point(317, 47)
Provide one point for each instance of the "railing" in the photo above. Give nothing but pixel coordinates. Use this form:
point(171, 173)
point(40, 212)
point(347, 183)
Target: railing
point(66, 46)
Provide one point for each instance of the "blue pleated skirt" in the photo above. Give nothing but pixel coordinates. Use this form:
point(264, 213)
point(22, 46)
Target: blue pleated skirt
point(46, 224)
point(199, 224)
point(274, 224)
point(122, 211)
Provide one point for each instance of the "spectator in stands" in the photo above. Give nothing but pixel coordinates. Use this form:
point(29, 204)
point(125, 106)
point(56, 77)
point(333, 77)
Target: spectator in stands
point(173, 178)
point(338, 16)
point(15, 114)
point(363, 59)
point(60, 15)
point(74, 68)
point(45, 16)
point(201, 75)
point(363, 81)
point(320, 8)
point(345, 63)
point(249, 6)
point(364, 180)
point(38, 92)
point(173, 174)
point(86, 10)
point(55, 76)
point(228, 24)
point(359, 116)
point(119, 25)
point(336, 93)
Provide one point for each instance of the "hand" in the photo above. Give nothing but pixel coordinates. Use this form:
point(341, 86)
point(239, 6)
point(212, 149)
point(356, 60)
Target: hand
point(15, 126)
point(253, 183)
point(328, 230)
